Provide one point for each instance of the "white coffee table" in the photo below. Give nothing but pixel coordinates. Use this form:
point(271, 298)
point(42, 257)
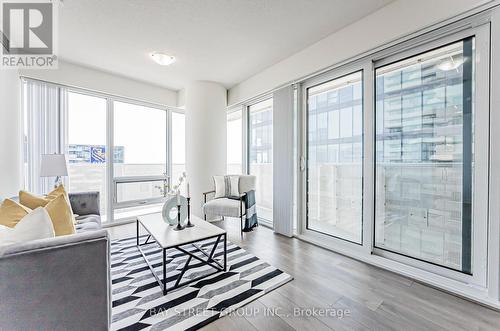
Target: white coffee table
point(166, 237)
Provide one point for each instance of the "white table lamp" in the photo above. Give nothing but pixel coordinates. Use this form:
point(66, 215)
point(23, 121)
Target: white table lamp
point(53, 165)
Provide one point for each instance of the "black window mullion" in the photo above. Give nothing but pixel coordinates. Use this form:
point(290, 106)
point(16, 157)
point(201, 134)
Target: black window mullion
point(467, 158)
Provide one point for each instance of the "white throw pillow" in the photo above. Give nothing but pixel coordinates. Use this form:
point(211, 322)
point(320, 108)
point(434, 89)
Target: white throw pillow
point(35, 225)
point(227, 186)
point(220, 187)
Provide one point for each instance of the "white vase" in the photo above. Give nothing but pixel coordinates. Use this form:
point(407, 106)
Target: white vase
point(169, 210)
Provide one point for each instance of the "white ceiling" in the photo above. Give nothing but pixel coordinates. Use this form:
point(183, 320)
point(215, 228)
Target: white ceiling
point(225, 41)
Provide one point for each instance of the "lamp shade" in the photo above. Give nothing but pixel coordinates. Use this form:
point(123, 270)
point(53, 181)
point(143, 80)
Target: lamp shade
point(53, 165)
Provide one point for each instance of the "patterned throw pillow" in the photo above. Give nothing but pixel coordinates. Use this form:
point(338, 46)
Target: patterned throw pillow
point(227, 186)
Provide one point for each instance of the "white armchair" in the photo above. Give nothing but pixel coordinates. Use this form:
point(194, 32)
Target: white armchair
point(226, 207)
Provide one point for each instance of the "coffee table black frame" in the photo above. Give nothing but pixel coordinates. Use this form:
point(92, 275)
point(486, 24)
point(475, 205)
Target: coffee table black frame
point(209, 261)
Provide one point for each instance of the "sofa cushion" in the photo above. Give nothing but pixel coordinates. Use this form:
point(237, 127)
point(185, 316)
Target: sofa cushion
point(223, 207)
point(86, 227)
point(88, 223)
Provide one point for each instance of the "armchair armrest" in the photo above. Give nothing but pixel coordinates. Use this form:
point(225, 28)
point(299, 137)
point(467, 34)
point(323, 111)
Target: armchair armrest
point(205, 195)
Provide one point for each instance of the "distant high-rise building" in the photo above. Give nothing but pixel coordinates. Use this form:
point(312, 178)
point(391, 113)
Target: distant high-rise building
point(93, 154)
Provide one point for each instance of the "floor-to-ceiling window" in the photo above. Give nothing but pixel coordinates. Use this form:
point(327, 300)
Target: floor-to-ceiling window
point(140, 156)
point(424, 156)
point(86, 145)
point(234, 142)
point(122, 148)
point(260, 155)
point(334, 157)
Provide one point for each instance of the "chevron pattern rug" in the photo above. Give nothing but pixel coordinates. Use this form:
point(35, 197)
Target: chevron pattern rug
point(138, 301)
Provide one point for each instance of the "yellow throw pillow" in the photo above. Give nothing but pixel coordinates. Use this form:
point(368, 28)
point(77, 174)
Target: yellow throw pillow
point(58, 191)
point(12, 212)
point(32, 201)
point(61, 215)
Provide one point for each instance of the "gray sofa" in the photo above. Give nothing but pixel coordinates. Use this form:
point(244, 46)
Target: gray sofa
point(60, 283)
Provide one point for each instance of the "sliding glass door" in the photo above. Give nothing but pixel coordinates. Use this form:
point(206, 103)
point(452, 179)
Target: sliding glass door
point(334, 157)
point(424, 156)
point(395, 155)
point(260, 155)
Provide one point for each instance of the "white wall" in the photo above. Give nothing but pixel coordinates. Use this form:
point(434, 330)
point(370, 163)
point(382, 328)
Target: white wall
point(393, 21)
point(10, 133)
point(96, 80)
point(205, 137)
point(181, 98)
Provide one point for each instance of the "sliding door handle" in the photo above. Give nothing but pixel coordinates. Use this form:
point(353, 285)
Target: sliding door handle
point(302, 164)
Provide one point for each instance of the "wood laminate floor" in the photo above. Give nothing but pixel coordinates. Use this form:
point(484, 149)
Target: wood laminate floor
point(334, 292)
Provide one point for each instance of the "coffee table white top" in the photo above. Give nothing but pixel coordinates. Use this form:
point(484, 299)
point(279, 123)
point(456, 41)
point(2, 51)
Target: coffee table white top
point(167, 237)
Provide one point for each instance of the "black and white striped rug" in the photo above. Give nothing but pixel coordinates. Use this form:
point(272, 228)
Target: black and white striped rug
point(138, 302)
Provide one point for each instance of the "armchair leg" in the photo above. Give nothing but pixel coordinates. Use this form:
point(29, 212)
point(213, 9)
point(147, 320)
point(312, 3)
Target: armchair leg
point(241, 216)
point(204, 202)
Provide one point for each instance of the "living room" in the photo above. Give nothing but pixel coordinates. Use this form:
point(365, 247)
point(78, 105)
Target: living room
point(254, 165)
